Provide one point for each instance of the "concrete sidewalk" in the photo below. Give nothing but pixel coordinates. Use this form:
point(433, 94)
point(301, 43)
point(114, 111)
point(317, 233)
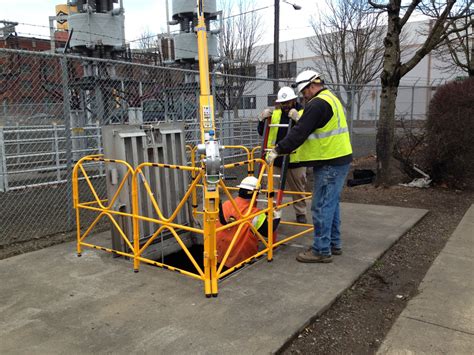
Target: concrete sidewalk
point(54, 302)
point(440, 319)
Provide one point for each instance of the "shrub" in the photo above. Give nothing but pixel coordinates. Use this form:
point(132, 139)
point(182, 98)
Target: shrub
point(450, 134)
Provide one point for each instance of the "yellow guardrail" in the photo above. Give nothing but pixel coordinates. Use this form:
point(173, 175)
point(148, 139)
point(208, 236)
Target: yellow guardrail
point(210, 272)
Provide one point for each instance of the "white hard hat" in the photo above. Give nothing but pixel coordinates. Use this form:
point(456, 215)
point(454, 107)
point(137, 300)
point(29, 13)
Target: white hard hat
point(286, 94)
point(248, 183)
point(305, 78)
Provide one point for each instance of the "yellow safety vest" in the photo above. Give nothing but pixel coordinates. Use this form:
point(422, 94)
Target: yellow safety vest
point(272, 134)
point(331, 141)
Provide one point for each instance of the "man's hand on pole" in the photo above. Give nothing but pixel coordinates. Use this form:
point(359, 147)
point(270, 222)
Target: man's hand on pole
point(265, 114)
point(294, 115)
point(277, 214)
point(271, 156)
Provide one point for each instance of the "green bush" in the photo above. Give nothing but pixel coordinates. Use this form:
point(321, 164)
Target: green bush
point(450, 134)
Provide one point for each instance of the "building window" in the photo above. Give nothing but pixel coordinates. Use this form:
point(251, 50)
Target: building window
point(248, 103)
point(285, 70)
point(250, 70)
point(271, 100)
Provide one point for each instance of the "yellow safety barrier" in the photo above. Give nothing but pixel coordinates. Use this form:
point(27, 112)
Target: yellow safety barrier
point(210, 272)
point(98, 205)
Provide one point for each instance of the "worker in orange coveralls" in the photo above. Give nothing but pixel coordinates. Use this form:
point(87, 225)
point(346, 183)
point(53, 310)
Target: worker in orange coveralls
point(246, 244)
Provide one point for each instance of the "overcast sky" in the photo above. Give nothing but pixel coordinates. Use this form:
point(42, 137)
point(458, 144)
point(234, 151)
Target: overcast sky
point(142, 15)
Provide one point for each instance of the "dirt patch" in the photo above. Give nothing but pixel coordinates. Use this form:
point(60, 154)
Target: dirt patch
point(360, 319)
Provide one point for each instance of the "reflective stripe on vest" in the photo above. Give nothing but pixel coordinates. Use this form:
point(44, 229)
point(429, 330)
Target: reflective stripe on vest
point(328, 134)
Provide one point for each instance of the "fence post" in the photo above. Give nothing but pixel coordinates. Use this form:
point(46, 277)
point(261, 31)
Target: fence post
point(412, 101)
point(99, 147)
point(351, 129)
point(3, 164)
point(67, 127)
point(56, 152)
point(377, 108)
point(18, 140)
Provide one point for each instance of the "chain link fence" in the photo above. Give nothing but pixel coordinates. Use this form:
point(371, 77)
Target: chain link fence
point(52, 108)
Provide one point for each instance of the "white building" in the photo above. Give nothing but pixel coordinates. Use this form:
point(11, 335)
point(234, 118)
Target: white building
point(415, 91)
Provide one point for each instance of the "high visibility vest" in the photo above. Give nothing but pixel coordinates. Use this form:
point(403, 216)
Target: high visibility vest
point(246, 244)
point(332, 140)
point(273, 132)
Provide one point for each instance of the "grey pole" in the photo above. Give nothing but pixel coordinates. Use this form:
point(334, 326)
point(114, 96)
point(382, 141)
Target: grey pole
point(67, 127)
point(276, 46)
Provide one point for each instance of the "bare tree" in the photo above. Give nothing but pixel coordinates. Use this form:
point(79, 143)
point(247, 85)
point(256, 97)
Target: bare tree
point(238, 40)
point(459, 48)
point(150, 48)
point(443, 13)
point(347, 46)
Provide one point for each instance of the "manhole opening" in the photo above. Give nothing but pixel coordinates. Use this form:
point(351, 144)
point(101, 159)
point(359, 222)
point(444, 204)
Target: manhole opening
point(181, 260)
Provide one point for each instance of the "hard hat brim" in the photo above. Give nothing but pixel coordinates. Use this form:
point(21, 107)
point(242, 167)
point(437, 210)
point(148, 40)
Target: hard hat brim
point(286, 100)
point(246, 187)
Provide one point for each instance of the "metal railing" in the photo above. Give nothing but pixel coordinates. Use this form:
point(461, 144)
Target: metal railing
point(209, 272)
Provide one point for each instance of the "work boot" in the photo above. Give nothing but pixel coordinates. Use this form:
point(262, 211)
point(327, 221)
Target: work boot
point(309, 257)
point(336, 251)
point(301, 218)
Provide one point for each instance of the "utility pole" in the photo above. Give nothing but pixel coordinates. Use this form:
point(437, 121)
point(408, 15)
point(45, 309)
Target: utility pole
point(276, 46)
point(276, 43)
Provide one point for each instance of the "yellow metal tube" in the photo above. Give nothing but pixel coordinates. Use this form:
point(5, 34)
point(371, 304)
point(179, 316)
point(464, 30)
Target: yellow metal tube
point(229, 249)
point(294, 236)
point(193, 174)
point(107, 249)
point(206, 100)
point(271, 207)
point(246, 261)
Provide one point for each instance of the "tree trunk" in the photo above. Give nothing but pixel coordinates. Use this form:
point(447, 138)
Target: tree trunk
point(470, 69)
point(390, 79)
point(385, 133)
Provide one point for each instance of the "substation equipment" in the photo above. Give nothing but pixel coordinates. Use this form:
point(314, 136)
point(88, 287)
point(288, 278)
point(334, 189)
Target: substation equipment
point(163, 195)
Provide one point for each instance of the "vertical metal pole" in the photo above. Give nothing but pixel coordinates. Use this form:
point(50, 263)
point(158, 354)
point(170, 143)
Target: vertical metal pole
point(123, 103)
point(207, 123)
point(75, 199)
point(18, 146)
point(136, 223)
point(206, 100)
point(99, 147)
point(168, 23)
point(270, 213)
point(276, 46)
point(56, 152)
point(412, 101)
point(51, 33)
point(183, 113)
point(352, 111)
point(359, 105)
point(376, 118)
point(3, 164)
point(67, 127)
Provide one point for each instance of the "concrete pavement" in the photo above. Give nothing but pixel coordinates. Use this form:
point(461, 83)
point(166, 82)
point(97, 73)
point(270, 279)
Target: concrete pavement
point(440, 319)
point(54, 302)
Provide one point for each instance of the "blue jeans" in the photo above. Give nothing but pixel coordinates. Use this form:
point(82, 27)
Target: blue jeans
point(328, 184)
